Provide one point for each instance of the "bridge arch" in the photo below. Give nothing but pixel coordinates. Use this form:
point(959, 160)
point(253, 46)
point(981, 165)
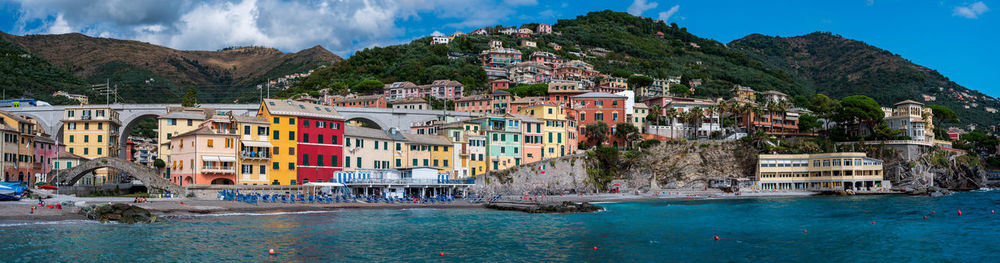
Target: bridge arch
point(148, 176)
point(369, 123)
point(128, 123)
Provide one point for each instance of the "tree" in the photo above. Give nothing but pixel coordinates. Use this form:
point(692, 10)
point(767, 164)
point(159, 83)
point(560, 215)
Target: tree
point(680, 90)
point(638, 81)
point(620, 74)
point(860, 108)
point(597, 132)
point(824, 107)
point(627, 132)
point(942, 114)
point(808, 122)
point(190, 98)
point(368, 86)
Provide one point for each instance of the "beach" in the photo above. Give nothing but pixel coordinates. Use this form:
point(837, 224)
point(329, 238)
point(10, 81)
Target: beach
point(182, 207)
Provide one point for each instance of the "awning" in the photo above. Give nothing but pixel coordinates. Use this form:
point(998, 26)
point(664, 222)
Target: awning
point(227, 158)
point(210, 158)
point(257, 144)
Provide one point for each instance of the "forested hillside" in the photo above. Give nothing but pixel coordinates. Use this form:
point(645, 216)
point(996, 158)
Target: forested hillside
point(841, 67)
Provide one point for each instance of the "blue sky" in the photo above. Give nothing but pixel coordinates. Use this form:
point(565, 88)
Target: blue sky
point(954, 37)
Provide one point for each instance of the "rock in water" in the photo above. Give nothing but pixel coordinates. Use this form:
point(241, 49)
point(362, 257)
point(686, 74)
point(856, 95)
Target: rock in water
point(123, 213)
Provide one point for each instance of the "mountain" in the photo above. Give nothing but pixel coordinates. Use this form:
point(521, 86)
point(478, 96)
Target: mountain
point(840, 67)
point(149, 73)
point(25, 75)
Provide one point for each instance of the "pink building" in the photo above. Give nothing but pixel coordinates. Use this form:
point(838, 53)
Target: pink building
point(46, 151)
point(206, 155)
point(446, 89)
point(401, 90)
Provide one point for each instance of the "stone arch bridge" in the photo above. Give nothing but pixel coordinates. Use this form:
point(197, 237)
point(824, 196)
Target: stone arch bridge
point(148, 176)
point(50, 117)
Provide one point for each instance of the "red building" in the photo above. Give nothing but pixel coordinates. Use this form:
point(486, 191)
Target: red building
point(320, 146)
point(599, 107)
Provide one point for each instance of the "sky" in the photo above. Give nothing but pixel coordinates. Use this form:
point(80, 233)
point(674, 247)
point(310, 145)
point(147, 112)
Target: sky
point(957, 38)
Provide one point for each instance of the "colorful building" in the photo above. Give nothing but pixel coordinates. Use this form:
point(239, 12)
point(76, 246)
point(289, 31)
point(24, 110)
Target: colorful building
point(598, 107)
point(306, 137)
point(430, 151)
point(369, 101)
point(92, 132)
point(254, 153)
point(554, 130)
point(206, 155)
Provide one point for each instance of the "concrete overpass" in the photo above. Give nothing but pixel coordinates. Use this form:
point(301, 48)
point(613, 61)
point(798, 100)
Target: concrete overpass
point(50, 117)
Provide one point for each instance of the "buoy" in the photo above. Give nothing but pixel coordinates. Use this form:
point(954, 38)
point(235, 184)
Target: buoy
point(716, 237)
point(270, 252)
point(959, 212)
point(442, 254)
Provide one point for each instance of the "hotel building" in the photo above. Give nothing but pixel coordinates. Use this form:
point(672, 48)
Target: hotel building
point(825, 171)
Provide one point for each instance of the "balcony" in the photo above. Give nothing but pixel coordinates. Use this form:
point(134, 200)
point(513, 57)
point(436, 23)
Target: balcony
point(214, 169)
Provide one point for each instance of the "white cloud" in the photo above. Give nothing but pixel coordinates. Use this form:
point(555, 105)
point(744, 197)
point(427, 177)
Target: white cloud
point(666, 15)
point(290, 25)
point(640, 6)
point(971, 11)
point(59, 26)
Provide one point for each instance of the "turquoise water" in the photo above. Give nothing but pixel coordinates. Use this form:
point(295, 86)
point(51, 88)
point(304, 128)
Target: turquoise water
point(750, 230)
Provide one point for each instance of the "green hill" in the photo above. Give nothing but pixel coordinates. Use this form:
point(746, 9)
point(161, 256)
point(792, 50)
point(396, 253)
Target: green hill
point(26, 75)
point(840, 67)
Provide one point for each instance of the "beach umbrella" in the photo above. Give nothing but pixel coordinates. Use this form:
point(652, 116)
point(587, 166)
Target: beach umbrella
point(45, 186)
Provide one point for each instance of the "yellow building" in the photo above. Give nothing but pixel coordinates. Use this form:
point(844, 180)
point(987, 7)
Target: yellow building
point(430, 151)
point(178, 120)
point(639, 113)
point(825, 171)
point(555, 141)
point(253, 156)
point(92, 132)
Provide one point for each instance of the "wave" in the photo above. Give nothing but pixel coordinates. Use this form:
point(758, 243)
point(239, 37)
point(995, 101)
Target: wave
point(60, 222)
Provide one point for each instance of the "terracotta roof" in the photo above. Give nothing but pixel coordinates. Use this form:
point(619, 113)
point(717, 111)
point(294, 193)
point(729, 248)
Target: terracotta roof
point(597, 95)
point(300, 109)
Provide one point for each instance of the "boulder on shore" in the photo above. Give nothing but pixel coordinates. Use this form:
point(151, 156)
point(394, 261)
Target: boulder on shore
point(122, 213)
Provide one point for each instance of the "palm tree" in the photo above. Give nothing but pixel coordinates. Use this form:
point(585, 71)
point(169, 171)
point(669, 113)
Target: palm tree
point(671, 115)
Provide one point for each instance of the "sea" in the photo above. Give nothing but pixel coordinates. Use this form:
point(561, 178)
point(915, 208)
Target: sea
point(778, 229)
